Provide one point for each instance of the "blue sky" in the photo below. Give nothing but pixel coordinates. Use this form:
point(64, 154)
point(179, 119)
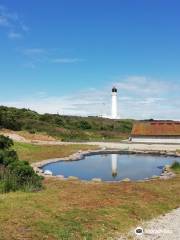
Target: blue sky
point(64, 56)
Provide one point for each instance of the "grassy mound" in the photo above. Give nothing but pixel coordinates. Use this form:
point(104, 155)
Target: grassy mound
point(66, 128)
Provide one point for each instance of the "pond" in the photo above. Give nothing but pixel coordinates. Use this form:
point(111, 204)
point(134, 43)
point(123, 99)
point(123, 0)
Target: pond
point(112, 167)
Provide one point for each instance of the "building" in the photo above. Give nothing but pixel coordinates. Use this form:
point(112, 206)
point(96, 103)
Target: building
point(114, 112)
point(156, 132)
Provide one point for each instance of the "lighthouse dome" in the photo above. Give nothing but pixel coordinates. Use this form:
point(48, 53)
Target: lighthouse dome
point(114, 89)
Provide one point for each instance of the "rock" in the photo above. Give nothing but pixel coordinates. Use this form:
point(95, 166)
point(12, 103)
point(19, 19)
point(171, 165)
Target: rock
point(146, 179)
point(73, 178)
point(96, 180)
point(48, 172)
point(126, 180)
point(60, 176)
point(154, 176)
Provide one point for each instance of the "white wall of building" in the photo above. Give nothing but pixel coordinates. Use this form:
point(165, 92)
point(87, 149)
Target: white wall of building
point(155, 140)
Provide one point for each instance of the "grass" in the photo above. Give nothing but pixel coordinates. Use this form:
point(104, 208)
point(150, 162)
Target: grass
point(65, 128)
point(75, 210)
point(33, 153)
point(69, 210)
point(176, 167)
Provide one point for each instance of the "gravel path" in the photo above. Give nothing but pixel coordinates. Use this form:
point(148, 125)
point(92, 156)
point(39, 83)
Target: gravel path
point(165, 227)
point(116, 145)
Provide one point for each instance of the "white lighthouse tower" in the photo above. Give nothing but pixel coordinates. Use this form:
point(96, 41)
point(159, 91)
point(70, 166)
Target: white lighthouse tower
point(114, 114)
point(114, 164)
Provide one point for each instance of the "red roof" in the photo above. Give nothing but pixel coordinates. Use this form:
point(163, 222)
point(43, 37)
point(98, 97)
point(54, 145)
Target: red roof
point(156, 128)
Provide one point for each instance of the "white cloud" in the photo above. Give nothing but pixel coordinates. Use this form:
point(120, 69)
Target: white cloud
point(48, 55)
point(13, 23)
point(24, 27)
point(139, 98)
point(29, 65)
point(33, 51)
point(14, 35)
point(3, 21)
point(67, 60)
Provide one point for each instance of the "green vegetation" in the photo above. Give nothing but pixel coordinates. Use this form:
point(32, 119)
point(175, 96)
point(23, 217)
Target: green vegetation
point(15, 174)
point(68, 210)
point(66, 128)
point(176, 167)
point(34, 153)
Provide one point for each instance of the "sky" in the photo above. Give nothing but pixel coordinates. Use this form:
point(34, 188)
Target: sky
point(64, 56)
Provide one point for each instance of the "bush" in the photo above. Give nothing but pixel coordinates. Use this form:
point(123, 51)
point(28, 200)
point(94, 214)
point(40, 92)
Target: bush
point(15, 174)
point(22, 170)
point(10, 181)
point(7, 157)
point(8, 120)
point(83, 125)
point(176, 166)
point(5, 142)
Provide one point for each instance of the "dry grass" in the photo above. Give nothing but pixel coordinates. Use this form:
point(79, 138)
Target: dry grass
point(75, 210)
point(33, 152)
point(36, 136)
point(28, 136)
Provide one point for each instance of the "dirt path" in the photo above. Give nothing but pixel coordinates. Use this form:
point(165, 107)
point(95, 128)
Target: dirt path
point(115, 145)
point(165, 227)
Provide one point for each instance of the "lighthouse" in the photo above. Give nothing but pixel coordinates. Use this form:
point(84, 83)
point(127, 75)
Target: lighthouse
point(114, 164)
point(114, 114)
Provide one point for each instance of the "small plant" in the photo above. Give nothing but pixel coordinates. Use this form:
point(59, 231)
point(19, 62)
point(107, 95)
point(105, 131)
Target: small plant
point(176, 166)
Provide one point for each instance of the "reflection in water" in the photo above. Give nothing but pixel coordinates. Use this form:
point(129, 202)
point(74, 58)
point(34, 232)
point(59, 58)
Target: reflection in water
point(112, 167)
point(114, 164)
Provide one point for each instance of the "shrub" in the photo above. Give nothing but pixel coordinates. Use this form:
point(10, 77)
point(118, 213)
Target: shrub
point(8, 181)
point(5, 142)
point(22, 170)
point(176, 166)
point(84, 125)
point(15, 174)
point(7, 157)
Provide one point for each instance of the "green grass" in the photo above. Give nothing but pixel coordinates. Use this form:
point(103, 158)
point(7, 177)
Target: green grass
point(176, 167)
point(68, 210)
point(75, 210)
point(33, 152)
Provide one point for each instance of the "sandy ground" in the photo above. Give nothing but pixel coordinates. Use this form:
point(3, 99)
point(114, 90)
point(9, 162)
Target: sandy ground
point(116, 145)
point(138, 146)
point(122, 145)
point(165, 227)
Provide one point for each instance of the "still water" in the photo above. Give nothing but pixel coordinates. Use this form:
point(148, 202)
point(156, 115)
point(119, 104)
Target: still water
point(112, 167)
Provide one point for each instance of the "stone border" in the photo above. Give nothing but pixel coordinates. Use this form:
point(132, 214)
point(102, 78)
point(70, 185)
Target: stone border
point(166, 173)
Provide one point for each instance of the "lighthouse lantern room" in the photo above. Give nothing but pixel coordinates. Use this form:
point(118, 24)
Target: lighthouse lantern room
point(114, 114)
